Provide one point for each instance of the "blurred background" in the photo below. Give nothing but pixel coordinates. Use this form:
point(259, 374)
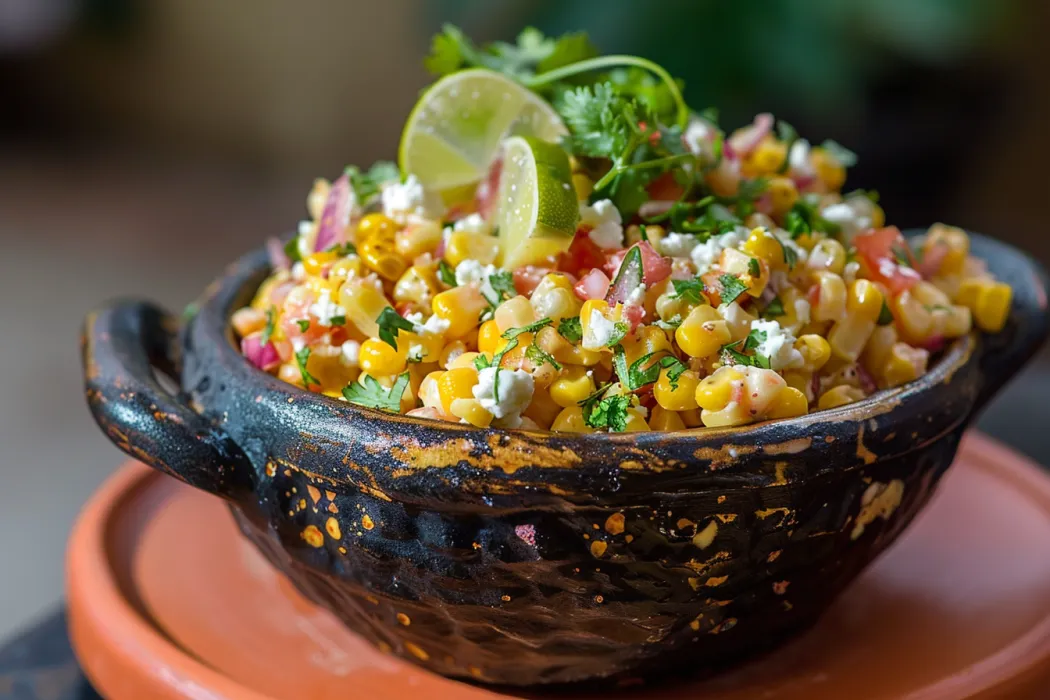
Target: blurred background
point(143, 145)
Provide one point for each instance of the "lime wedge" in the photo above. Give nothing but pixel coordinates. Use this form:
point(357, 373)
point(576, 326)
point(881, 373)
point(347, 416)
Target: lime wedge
point(536, 210)
point(454, 132)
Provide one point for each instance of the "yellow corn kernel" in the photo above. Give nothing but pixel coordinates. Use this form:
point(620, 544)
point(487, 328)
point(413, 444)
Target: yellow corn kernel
point(692, 419)
point(248, 320)
point(663, 420)
point(913, 317)
point(377, 358)
point(554, 298)
point(956, 245)
point(418, 237)
point(583, 186)
point(702, 333)
point(715, 391)
point(827, 254)
point(831, 300)
point(953, 321)
point(789, 403)
point(573, 385)
point(839, 396)
point(762, 244)
point(431, 346)
point(456, 384)
point(514, 313)
point(542, 408)
point(467, 360)
point(417, 285)
point(903, 364)
point(326, 365)
point(489, 337)
point(783, 194)
point(646, 340)
point(315, 262)
point(766, 158)
point(742, 265)
point(829, 170)
point(375, 224)
point(991, 307)
point(428, 390)
point(363, 303)
point(450, 352)
point(800, 380)
point(679, 395)
point(815, 351)
point(670, 306)
point(636, 423)
point(877, 351)
point(381, 256)
point(969, 289)
point(466, 245)
point(733, 414)
point(461, 307)
point(346, 268)
point(471, 411)
point(570, 420)
point(864, 300)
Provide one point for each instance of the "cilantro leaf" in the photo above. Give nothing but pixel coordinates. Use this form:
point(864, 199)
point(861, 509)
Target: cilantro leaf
point(449, 51)
point(638, 375)
point(267, 331)
point(901, 256)
point(339, 320)
point(537, 355)
point(304, 324)
point(502, 283)
point(595, 116)
point(790, 255)
point(571, 329)
point(567, 49)
point(588, 404)
point(753, 268)
point(529, 328)
point(390, 322)
point(620, 331)
point(446, 274)
point(291, 249)
point(737, 350)
point(610, 412)
point(367, 184)
point(372, 394)
point(774, 308)
point(732, 288)
point(301, 358)
point(845, 157)
point(885, 315)
point(688, 290)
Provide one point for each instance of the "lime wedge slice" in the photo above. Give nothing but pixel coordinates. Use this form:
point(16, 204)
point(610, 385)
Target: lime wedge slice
point(536, 209)
point(454, 132)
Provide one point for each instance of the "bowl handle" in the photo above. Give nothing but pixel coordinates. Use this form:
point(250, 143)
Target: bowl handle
point(121, 346)
point(1002, 355)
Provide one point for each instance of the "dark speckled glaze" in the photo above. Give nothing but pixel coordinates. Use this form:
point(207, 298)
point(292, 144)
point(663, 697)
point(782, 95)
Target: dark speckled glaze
point(533, 558)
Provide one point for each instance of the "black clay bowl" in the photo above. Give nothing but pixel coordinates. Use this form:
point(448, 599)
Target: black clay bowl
point(531, 558)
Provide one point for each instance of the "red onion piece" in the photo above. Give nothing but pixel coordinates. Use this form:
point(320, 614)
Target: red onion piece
point(593, 285)
point(264, 357)
point(745, 140)
point(655, 207)
point(336, 215)
point(279, 262)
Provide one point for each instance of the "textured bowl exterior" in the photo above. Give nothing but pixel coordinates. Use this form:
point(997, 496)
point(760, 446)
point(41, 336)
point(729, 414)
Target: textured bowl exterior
point(531, 558)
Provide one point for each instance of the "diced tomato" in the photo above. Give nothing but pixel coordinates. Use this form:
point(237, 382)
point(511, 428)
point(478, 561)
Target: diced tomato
point(593, 285)
point(583, 254)
point(634, 314)
point(405, 308)
point(297, 309)
point(665, 188)
point(878, 250)
point(655, 267)
point(488, 191)
point(526, 278)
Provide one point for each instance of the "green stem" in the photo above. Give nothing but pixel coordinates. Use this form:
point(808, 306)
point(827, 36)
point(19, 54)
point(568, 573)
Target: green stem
point(618, 169)
point(609, 61)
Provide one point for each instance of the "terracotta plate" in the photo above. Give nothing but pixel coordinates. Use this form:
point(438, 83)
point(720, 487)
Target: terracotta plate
point(167, 601)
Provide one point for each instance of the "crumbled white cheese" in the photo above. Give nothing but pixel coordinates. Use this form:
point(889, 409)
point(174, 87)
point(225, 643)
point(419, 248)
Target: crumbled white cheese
point(350, 352)
point(306, 228)
point(515, 394)
point(699, 137)
point(324, 309)
point(606, 224)
point(848, 217)
point(298, 272)
point(778, 345)
point(637, 295)
point(435, 325)
point(802, 311)
point(416, 318)
point(403, 200)
point(677, 245)
point(472, 223)
point(416, 352)
point(600, 331)
point(798, 159)
point(473, 272)
point(706, 255)
point(733, 313)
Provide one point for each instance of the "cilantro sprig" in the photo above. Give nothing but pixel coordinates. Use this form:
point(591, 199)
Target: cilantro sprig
point(690, 291)
point(366, 183)
point(732, 287)
point(267, 331)
point(571, 329)
point(737, 351)
point(641, 373)
point(390, 323)
point(369, 392)
point(302, 356)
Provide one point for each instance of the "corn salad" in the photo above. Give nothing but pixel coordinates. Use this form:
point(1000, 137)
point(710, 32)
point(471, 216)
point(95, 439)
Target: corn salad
point(743, 287)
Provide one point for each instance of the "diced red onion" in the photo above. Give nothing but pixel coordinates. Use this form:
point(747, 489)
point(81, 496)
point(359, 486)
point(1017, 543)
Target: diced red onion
point(279, 262)
point(336, 214)
point(745, 140)
point(264, 357)
point(593, 285)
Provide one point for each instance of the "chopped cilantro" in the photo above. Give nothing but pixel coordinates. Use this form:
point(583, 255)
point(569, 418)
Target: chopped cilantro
point(774, 308)
point(571, 329)
point(502, 283)
point(610, 412)
point(533, 52)
point(304, 324)
point(790, 255)
point(737, 350)
point(688, 290)
point(339, 320)
point(901, 256)
point(530, 328)
point(343, 249)
point(732, 288)
point(753, 268)
point(537, 355)
point(446, 274)
point(885, 315)
point(638, 375)
point(301, 358)
point(588, 404)
point(291, 249)
point(390, 322)
point(372, 394)
point(367, 184)
point(795, 224)
point(620, 331)
point(267, 331)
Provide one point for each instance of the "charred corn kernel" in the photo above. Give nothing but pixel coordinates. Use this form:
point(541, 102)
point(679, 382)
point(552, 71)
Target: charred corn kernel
point(766, 158)
point(815, 351)
point(428, 390)
point(583, 186)
point(827, 254)
point(831, 297)
point(542, 408)
point(715, 391)
point(636, 422)
point(789, 403)
point(783, 194)
point(664, 420)
point(417, 238)
point(363, 303)
point(677, 395)
point(466, 360)
point(830, 171)
point(417, 285)
point(553, 298)
point(877, 351)
point(800, 380)
point(514, 313)
point(762, 244)
point(381, 256)
point(948, 243)
point(461, 307)
point(471, 411)
point(315, 262)
point(456, 384)
point(377, 357)
point(488, 337)
point(248, 320)
point(839, 396)
point(466, 245)
point(375, 224)
point(646, 340)
point(904, 364)
point(570, 420)
point(703, 332)
point(572, 386)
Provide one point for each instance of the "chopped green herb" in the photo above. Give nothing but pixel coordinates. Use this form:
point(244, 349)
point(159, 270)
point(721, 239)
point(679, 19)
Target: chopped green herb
point(372, 394)
point(737, 350)
point(502, 283)
point(753, 268)
point(304, 324)
point(845, 157)
point(530, 328)
point(688, 290)
point(301, 358)
point(267, 331)
point(901, 256)
point(620, 331)
point(571, 329)
point(588, 404)
point(885, 315)
point(446, 274)
point(796, 224)
point(291, 249)
point(390, 322)
point(670, 324)
point(790, 255)
point(367, 184)
point(732, 288)
point(343, 249)
point(481, 362)
point(610, 412)
point(339, 320)
point(638, 375)
point(537, 355)
point(191, 310)
point(774, 308)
